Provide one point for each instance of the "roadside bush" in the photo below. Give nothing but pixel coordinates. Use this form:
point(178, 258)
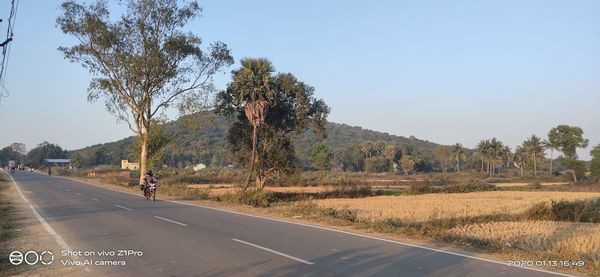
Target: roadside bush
point(341, 213)
point(592, 212)
point(255, 197)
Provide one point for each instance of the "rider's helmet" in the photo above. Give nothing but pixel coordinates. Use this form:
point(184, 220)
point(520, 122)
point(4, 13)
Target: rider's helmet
point(149, 172)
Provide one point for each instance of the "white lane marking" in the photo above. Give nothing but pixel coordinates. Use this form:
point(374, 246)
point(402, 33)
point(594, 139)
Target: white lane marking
point(172, 221)
point(95, 199)
point(119, 206)
point(78, 193)
point(67, 189)
point(60, 241)
point(28, 191)
point(273, 251)
point(337, 231)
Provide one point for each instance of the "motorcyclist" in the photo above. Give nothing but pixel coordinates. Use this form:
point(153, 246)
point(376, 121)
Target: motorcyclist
point(148, 180)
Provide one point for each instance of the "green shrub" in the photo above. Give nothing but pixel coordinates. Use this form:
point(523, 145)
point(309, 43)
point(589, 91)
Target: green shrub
point(256, 197)
point(591, 212)
point(470, 187)
point(568, 211)
point(536, 185)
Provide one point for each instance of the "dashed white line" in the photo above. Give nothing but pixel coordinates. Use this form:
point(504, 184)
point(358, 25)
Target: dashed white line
point(67, 189)
point(125, 208)
point(95, 199)
point(172, 221)
point(273, 251)
point(78, 193)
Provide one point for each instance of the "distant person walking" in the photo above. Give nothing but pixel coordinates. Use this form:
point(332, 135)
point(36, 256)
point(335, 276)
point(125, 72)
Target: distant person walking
point(49, 170)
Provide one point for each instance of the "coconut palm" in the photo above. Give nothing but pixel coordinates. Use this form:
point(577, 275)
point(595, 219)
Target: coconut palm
point(520, 158)
point(552, 145)
point(458, 154)
point(535, 150)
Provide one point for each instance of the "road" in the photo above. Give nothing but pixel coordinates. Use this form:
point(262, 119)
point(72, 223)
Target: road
point(184, 240)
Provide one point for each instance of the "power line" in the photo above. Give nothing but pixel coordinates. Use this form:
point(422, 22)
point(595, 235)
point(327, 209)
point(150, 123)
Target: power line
point(6, 45)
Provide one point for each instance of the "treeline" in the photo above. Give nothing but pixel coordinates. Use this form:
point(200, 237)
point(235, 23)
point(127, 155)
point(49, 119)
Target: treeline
point(33, 158)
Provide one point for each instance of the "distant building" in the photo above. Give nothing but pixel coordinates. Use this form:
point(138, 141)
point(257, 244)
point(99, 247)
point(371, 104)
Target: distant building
point(125, 164)
point(58, 162)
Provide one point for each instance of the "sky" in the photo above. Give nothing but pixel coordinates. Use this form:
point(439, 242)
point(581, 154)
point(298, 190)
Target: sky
point(443, 71)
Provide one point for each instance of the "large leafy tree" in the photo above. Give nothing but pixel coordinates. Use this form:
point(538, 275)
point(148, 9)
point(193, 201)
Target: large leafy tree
point(260, 138)
point(568, 139)
point(14, 152)
point(142, 61)
point(45, 150)
point(534, 150)
point(321, 155)
point(444, 155)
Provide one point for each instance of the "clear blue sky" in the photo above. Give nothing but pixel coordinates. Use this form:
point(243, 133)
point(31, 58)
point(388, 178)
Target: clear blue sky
point(444, 71)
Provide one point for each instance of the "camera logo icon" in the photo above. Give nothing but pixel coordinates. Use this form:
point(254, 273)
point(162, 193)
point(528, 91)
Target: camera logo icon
point(15, 257)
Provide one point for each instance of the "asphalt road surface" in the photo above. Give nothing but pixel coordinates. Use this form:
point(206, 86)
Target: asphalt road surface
point(184, 240)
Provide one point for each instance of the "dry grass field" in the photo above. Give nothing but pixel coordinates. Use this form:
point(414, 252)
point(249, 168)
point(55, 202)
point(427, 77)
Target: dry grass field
point(501, 185)
point(216, 190)
point(577, 241)
point(420, 208)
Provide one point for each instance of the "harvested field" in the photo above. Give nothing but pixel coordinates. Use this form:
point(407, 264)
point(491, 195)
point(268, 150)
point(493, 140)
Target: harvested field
point(420, 208)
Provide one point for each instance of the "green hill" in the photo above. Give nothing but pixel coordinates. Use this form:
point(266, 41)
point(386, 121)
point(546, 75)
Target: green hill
point(201, 138)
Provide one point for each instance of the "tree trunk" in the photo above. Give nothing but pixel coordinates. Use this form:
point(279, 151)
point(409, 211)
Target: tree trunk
point(252, 159)
point(551, 158)
point(521, 168)
point(574, 175)
point(143, 155)
point(534, 166)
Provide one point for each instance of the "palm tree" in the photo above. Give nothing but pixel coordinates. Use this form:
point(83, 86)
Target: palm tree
point(482, 150)
point(552, 145)
point(535, 150)
point(458, 154)
point(253, 86)
point(520, 158)
point(496, 149)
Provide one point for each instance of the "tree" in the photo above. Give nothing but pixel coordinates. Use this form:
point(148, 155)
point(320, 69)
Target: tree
point(45, 150)
point(569, 138)
point(595, 164)
point(12, 153)
point(407, 162)
point(520, 158)
point(552, 145)
point(443, 155)
point(392, 153)
point(458, 154)
point(377, 164)
point(493, 152)
point(321, 155)
point(351, 158)
point(157, 142)
point(534, 149)
point(143, 62)
point(289, 110)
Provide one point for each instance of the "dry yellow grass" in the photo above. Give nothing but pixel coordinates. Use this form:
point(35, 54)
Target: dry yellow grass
point(222, 189)
point(579, 241)
point(420, 208)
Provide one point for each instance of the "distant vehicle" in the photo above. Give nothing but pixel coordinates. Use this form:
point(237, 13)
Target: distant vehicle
point(11, 166)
